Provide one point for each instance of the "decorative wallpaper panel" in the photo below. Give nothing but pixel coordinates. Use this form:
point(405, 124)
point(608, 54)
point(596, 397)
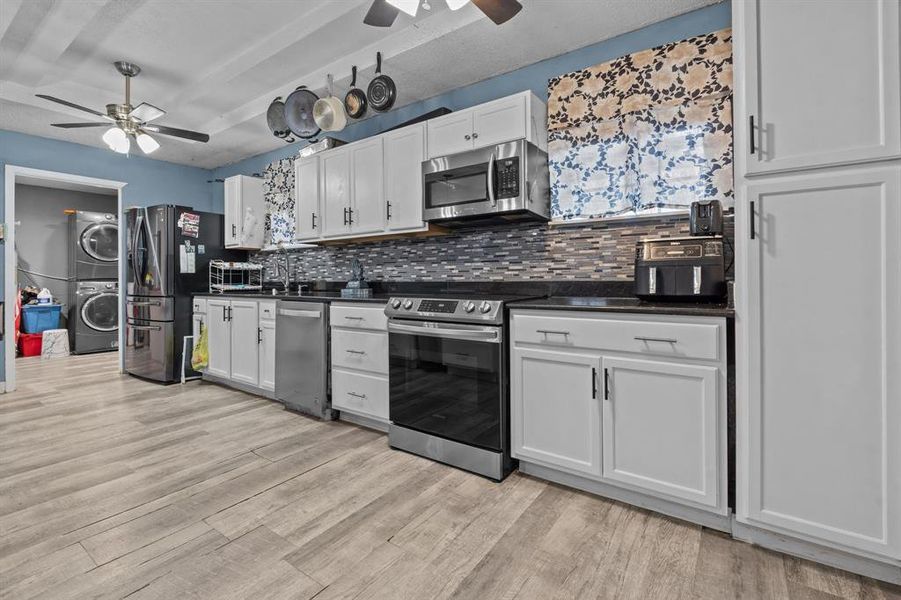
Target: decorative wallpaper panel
point(646, 133)
point(278, 191)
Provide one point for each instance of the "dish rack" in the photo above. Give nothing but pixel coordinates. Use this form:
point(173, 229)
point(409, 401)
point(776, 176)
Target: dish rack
point(228, 276)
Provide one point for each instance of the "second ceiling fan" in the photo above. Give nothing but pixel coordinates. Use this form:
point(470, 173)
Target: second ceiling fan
point(382, 13)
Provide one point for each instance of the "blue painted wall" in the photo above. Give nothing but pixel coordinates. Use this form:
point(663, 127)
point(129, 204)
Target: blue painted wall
point(532, 77)
point(149, 181)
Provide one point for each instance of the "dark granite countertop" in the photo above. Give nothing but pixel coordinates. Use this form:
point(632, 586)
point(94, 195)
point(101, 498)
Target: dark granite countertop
point(324, 297)
point(627, 305)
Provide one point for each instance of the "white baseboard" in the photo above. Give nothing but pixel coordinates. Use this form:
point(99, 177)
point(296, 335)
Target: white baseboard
point(868, 567)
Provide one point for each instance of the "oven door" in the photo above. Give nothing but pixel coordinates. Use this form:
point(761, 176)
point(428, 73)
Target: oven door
point(448, 380)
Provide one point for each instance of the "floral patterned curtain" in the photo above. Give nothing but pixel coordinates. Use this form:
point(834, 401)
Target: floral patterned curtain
point(646, 133)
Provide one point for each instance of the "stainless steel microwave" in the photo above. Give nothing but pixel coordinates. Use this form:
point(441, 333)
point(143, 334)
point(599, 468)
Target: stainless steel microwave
point(498, 184)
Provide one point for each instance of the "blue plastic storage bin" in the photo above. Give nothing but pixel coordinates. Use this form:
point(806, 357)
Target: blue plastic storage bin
point(38, 318)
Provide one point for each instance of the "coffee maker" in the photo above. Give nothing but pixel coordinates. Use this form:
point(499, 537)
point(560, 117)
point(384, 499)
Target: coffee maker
point(686, 268)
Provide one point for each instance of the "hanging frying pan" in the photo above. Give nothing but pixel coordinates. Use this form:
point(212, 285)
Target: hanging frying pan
point(355, 100)
point(329, 112)
point(382, 92)
point(299, 113)
point(275, 119)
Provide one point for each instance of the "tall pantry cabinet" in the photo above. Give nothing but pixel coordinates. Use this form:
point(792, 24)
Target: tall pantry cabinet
point(818, 279)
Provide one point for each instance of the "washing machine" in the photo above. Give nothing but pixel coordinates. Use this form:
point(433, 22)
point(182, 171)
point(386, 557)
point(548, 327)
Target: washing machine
point(93, 246)
point(93, 316)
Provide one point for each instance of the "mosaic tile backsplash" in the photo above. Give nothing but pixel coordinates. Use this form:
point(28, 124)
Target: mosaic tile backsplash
point(588, 252)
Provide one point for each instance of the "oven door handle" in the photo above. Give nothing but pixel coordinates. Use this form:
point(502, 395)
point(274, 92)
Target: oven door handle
point(482, 334)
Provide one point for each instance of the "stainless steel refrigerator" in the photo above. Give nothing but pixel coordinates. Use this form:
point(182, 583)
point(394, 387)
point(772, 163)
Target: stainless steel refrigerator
point(169, 250)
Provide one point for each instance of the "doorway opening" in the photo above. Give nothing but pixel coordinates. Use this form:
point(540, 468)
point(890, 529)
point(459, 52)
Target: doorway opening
point(63, 273)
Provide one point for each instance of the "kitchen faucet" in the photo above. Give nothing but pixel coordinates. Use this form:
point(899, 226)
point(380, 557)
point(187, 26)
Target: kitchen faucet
point(284, 271)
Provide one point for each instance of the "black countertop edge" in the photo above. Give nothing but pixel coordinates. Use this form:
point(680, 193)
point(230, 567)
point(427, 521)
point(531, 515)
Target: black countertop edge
point(624, 305)
point(323, 297)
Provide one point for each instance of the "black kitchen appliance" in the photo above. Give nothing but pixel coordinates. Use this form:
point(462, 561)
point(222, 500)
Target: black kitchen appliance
point(706, 218)
point(169, 250)
point(681, 269)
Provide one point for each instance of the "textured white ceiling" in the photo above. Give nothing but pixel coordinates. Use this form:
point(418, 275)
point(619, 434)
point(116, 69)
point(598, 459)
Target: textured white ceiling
point(215, 65)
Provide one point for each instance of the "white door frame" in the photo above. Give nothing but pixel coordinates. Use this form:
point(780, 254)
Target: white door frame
point(12, 259)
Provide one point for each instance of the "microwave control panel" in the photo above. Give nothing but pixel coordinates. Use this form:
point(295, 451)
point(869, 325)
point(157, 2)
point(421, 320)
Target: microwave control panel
point(507, 177)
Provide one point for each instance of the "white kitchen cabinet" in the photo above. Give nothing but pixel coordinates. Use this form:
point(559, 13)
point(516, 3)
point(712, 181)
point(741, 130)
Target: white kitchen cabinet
point(821, 82)
point(359, 359)
point(218, 337)
point(556, 417)
point(244, 321)
point(336, 185)
point(520, 116)
point(198, 317)
point(367, 206)
point(308, 221)
point(267, 354)
point(245, 212)
point(404, 152)
point(661, 427)
point(819, 433)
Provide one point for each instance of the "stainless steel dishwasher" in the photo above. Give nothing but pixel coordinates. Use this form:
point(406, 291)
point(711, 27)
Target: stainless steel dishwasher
point(301, 357)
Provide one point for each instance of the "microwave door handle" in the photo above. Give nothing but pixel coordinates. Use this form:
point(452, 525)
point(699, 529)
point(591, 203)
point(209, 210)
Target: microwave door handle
point(491, 194)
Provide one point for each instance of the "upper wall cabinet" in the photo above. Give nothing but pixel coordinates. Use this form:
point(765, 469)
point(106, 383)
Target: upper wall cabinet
point(308, 221)
point(822, 82)
point(515, 117)
point(404, 153)
point(245, 212)
point(352, 189)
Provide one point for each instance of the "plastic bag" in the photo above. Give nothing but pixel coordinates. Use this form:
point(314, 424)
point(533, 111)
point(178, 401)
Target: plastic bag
point(200, 358)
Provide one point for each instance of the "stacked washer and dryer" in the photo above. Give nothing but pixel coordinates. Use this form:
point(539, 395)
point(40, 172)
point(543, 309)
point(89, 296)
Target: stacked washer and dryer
point(93, 282)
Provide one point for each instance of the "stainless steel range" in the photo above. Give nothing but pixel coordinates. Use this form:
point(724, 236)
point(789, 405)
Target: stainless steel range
point(448, 391)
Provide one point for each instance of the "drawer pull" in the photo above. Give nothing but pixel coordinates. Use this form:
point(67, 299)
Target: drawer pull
point(353, 318)
point(551, 331)
point(655, 339)
point(355, 352)
point(356, 395)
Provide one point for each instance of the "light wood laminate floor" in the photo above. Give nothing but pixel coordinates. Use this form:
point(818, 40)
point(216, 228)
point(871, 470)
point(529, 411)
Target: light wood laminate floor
point(113, 487)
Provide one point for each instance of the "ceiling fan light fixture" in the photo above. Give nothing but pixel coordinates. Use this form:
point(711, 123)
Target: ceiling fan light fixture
point(408, 6)
point(146, 143)
point(456, 4)
point(117, 140)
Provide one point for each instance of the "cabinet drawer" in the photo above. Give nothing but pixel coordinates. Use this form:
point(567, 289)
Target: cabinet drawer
point(359, 317)
point(267, 310)
point(360, 394)
point(657, 338)
point(199, 306)
point(366, 350)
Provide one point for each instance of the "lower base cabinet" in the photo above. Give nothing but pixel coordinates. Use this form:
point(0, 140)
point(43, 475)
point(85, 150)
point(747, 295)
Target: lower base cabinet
point(241, 340)
point(632, 411)
point(359, 359)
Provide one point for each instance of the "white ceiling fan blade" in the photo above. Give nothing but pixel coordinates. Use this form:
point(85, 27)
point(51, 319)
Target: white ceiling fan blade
point(145, 113)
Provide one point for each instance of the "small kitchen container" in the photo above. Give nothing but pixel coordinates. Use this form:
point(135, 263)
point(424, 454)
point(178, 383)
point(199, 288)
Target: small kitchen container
point(30, 344)
point(37, 318)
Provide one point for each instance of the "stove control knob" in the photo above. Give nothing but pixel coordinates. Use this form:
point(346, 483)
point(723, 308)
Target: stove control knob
point(408, 304)
point(395, 303)
point(469, 306)
point(485, 307)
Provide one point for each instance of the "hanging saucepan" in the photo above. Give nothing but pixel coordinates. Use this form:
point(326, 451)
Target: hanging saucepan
point(275, 118)
point(299, 113)
point(382, 92)
point(355, 99)
point(329, 112)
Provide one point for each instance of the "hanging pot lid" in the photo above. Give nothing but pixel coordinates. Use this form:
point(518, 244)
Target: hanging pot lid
point(275, 119)
point(299, 113)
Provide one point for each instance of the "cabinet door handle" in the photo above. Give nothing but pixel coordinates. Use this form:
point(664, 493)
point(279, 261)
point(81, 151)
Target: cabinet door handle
point(350, 216)
point(467, 137)
point(752, 218)
point(388, 210)
point(313, 220)
point(234, 231)
point(751, 134)
point(606, 384)
point(259, 335)
point(642, 338)
point(594, 383)
point(360, 352)
point(349, 318)
point(552, 332)
point(229, 313)
point(345, 215)
point(224, 313)
point(356, 395)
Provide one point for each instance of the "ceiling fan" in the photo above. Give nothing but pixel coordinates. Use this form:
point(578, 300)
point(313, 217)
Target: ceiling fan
point(126, 122)
point(382, 13)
